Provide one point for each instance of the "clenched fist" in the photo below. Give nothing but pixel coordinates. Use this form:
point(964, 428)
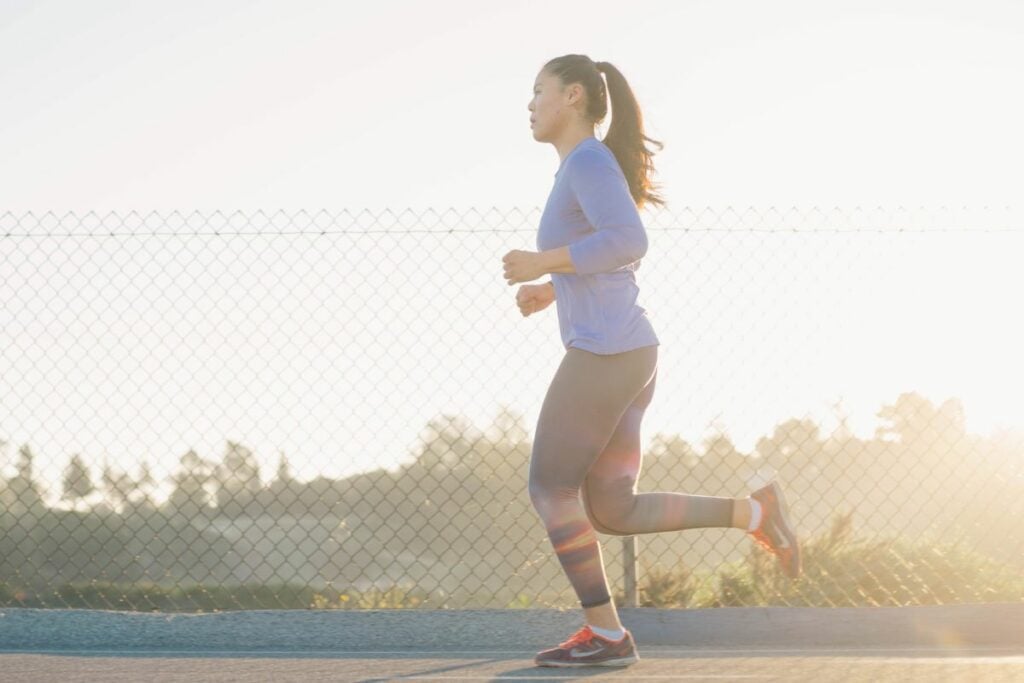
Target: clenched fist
point(533, 298)
point(522, 266)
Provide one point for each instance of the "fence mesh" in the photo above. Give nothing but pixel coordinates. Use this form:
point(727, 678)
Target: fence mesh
point(312, 409)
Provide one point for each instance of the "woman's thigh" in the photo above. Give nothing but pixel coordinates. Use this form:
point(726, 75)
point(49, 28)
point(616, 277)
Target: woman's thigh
point(587, 399)
point(611, 481)
point(621, 455)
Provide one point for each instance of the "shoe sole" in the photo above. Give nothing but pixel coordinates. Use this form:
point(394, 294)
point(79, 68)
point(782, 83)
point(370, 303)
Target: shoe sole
point(619, 661)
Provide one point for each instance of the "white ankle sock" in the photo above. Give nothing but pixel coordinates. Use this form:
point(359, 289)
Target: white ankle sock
point(755, 514)
point(609, 634)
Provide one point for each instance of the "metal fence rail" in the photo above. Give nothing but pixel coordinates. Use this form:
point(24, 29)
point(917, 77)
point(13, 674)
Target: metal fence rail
point(287, 409)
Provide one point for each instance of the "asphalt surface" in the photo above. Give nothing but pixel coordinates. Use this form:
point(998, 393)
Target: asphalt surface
point(980, 642)
point(657, 663)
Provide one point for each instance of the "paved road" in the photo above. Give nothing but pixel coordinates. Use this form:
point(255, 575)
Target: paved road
point(657, 663)
point(969, 642)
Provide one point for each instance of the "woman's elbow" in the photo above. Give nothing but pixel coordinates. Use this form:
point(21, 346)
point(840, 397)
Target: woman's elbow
point(640, 246)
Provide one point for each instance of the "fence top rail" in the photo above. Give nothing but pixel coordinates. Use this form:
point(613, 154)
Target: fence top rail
point(512, 219)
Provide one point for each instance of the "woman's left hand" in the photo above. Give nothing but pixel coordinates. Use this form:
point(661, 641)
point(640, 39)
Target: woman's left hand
point(522, 266)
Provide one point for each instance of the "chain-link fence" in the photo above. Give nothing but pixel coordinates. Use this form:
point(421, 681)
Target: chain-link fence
point(377, 388)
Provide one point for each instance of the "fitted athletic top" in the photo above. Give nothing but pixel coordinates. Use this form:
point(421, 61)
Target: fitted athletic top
point(590, 209)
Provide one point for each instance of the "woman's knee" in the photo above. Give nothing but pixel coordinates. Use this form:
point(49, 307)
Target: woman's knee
point(554, 477)
point(609, 505)
point(538, 492)
point(601, 528)
point(610, 524)
point(549, 497)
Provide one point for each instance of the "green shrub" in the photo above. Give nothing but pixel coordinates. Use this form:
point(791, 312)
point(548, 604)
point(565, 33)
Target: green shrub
point(841, 570)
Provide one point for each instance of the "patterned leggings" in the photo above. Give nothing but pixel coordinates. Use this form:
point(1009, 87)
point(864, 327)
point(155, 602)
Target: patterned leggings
point(587, 445)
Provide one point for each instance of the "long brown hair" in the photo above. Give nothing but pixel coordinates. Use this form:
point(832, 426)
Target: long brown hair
point(625, 136)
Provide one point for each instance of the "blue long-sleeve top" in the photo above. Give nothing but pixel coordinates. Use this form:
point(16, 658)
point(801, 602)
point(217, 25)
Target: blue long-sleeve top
point(591, 210)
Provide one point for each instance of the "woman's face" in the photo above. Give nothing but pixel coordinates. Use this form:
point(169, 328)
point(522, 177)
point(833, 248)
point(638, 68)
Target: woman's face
point(550, 107)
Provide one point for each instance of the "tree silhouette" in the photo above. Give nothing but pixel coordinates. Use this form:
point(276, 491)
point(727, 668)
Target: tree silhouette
point(190, 496)
point(77, 483)
point(117, 486)
point(23, 492)
point(145, 482)
point(284, 474)
point(790, 438)
point(913, 419)
point(238, 479)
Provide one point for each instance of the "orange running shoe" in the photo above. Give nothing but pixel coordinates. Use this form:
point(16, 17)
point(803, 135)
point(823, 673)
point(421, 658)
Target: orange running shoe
point(775, 534)
point(586, 648)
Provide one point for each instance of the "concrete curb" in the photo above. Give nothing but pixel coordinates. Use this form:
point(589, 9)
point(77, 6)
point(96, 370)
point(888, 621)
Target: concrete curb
point(948, 626)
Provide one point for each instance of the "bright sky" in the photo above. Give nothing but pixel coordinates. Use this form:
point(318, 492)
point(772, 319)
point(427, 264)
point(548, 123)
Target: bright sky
point(120, 106)
point(243, 105)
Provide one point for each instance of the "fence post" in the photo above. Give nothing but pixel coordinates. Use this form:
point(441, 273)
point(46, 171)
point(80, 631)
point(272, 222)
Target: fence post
point(629, 565)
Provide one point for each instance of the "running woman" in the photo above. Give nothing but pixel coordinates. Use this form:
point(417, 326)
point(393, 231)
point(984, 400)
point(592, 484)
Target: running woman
point(586, 451)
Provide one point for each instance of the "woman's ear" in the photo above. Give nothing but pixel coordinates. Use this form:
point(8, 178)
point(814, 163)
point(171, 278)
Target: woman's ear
point(575, 93)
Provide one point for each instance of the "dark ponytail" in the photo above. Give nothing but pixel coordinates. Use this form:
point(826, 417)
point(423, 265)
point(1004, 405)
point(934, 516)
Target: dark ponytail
point(625, 136)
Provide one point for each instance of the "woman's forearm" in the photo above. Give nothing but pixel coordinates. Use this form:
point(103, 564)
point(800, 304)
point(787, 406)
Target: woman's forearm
point(557, 260)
